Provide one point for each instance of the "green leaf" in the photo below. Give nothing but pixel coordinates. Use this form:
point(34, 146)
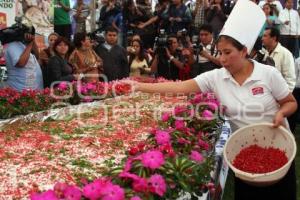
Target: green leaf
point(184, 186)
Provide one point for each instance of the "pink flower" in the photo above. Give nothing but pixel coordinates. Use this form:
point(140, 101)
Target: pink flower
point(167, 148)
point(87, 99)
point(213, 105)
point(48, 195)
point(93, 191)
point(179, 124)
point(152, 159)
point(207, 115)
point(127, 166)
point(113, 192)
point(196, 156)
point(62, 86)
point(46, 91)
point(128, 175)
point(179, 110)
point(141, 146)
point(135, 198)
point(197, 99)
point(82, 89)
point(72, 193)
point(90, 86)
point(140, 185)
point(133, 151)
point(165, 117)
point(210, 96)
point(59, 189)
point(162, 137)
point(204, 145)
point(158, 184)
point(183, 141)
point(210, 185)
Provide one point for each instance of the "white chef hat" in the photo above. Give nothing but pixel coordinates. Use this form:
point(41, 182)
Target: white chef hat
point(244, 23)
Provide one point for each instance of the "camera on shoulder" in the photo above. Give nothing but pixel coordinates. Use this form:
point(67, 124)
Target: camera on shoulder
point(97, 37)
point(16, 32)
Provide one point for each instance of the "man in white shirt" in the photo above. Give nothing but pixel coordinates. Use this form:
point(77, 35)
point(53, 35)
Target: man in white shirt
point(290, 28)
point(282, 57)
point(206, 57)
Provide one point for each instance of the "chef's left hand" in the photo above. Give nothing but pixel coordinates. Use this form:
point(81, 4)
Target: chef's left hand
point(278, 120)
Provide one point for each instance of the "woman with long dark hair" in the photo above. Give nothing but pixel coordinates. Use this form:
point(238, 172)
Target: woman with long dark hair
point(139, 59)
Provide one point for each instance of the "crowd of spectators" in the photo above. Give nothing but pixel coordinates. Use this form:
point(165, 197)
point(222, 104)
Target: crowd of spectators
point(176, 40)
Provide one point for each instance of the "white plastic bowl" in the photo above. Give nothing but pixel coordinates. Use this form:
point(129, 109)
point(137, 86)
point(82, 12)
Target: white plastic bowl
point(263, 135)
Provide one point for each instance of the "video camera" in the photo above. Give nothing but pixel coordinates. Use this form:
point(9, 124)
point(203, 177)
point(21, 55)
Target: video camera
point(16, 32)
point(197, 47)
point(183, 37)
point(262, 58)
point(161, 40)
point(161, 43)
point(96, 37)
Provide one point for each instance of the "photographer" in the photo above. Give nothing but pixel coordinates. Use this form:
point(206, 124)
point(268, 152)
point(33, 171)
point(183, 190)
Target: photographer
point(24, 71)
point(168, 60)
point(205, 52)
point(215, 16)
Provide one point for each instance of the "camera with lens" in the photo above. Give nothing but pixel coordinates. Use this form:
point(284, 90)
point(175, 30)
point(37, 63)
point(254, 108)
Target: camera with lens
point(197, 47)
point(16, 32)
point(260, 55)
point(161, 40)
point(262, 58)
point(182, 33)
point(96, 37)
point(161, 43)
point(183, 38)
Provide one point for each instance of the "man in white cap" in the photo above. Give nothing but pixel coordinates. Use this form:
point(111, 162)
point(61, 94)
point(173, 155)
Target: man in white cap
point(250, 91)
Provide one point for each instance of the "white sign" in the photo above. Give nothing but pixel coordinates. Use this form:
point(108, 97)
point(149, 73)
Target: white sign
point(7, 13)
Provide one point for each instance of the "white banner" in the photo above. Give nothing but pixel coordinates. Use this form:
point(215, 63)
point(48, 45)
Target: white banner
point(7, 13)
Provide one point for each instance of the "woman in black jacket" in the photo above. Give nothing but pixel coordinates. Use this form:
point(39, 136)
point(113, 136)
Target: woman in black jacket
point(58, 68)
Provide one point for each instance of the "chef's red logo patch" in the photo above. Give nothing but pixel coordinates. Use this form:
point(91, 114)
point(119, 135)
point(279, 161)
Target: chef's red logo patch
point(257, 90)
